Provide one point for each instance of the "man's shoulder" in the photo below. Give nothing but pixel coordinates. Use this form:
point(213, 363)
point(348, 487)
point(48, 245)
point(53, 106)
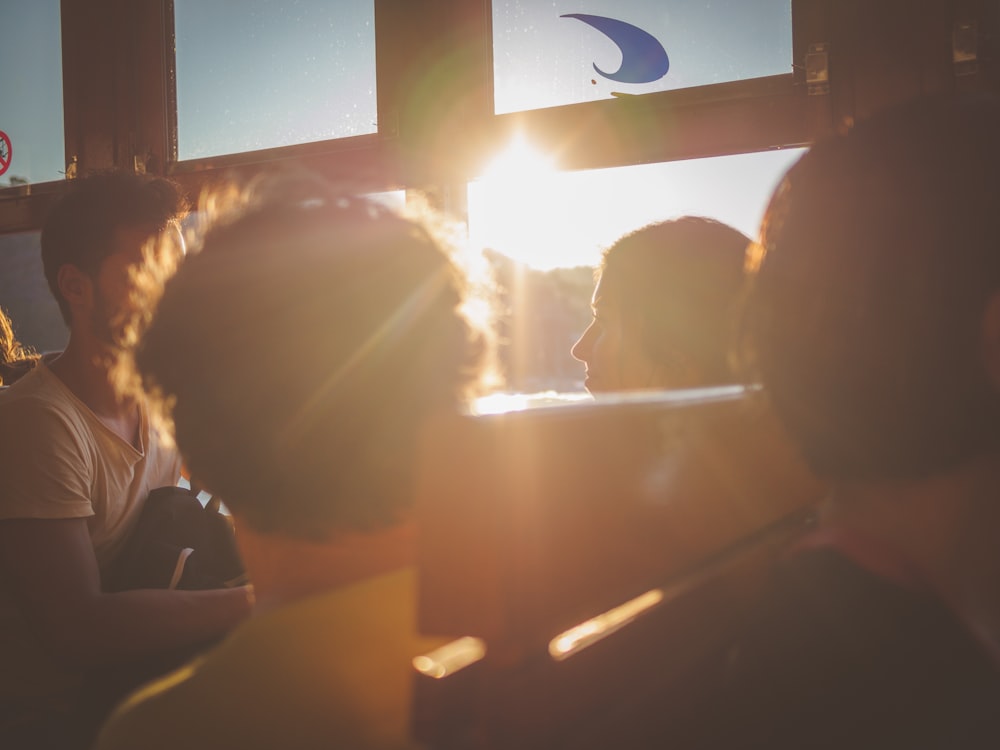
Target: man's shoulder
point(46, 453)
point(36, 404)
point(39, 389)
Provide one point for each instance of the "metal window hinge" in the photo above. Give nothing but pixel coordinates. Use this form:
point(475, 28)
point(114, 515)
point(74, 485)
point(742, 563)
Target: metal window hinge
point(818, 69)
point(965, 48)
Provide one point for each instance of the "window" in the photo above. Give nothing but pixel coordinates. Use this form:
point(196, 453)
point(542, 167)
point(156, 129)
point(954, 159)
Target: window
point(546, 231)
point(31, 99)
point(256, 74)
point(25, 295)
point(570, 51)
point(560, 219)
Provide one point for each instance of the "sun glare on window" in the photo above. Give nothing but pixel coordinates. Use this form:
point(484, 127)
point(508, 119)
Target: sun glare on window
point(518, 162)
point(528, 210)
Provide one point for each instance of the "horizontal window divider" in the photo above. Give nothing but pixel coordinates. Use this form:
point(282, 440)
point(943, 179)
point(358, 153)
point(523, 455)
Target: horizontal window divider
point(369, 164)
point(24, 207)
point(279, 153)
point(669, 127)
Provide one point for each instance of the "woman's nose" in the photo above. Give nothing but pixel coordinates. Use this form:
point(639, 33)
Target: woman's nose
point(581, 348)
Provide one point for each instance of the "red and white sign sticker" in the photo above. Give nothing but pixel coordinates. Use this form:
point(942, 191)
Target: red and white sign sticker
point(6, 151)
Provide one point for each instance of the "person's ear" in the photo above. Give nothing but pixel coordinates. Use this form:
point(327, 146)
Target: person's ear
point(991, 339)
point(76, 287)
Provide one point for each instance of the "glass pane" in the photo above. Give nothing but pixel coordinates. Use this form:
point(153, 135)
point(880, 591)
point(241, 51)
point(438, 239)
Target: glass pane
point(546, 232)
point(25, 295)
point(570, 51)
point(254, 74)
point(31, 100)
point(562, 219)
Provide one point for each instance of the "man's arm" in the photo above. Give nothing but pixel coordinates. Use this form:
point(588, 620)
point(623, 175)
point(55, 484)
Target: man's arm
point(52, 572)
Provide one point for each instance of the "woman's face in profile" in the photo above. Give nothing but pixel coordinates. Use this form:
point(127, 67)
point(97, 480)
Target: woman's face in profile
point(612, 350)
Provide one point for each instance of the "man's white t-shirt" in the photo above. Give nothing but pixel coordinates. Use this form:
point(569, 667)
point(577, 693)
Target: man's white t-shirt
point(58, 460)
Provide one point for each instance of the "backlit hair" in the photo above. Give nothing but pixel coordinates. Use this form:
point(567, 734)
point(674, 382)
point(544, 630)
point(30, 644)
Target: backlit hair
point(301, 351)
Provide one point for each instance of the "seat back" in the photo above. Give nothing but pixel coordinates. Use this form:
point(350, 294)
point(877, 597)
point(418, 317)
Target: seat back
point(538, 526)
point(533, 521)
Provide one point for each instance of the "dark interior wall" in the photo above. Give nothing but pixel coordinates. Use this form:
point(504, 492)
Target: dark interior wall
point(25, 296)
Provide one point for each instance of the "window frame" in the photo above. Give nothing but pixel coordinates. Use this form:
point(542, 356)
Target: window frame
point(120, 100)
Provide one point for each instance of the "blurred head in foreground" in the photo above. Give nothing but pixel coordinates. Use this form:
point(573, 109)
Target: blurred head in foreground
point(874, 320)
point(663, 308)
point(300, 352)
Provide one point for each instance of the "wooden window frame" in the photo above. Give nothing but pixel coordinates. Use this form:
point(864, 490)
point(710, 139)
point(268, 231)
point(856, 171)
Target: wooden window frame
point(120, 100)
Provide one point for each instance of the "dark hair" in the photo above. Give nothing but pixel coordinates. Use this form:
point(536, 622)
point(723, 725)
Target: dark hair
point(80, 228)
point(302, 350)
point(684, 279)
point(882, 250)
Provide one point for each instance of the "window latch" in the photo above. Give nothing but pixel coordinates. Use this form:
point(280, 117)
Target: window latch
point(818, 69)
point(965, 48)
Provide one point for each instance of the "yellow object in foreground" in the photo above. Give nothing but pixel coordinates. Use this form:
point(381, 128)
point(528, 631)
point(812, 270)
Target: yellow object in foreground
point(334, 670)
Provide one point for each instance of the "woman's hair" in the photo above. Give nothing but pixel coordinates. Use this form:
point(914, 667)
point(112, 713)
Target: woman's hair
point(683, 280)
point(15, 358)
point(301, 350)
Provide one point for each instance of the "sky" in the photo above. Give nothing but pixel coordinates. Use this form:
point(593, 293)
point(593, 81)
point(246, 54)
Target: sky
point(541, 59)
point(256, 74)
point(260, 73)
point(559, 219)
point(31, 105)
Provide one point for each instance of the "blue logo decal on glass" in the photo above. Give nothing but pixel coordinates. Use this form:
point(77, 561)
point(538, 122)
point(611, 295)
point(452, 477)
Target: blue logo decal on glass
point(643, 58)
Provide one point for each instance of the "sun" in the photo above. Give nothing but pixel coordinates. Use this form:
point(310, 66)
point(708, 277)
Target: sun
point(520, 161)
point(525, 207)
point(511, 207)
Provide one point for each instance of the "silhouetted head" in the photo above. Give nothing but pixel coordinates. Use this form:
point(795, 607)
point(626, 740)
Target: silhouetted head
point(302, 350)
point(664, 308)
point(875, 318)
point(103, 215)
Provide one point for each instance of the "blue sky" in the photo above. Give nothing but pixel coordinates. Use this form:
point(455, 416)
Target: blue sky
point(255, 74)
point(541, 59)
point(31, 106)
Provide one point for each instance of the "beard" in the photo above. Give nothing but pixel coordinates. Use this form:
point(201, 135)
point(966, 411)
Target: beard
point(116, 327)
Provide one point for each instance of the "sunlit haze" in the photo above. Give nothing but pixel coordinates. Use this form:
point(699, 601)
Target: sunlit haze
point(549, 219)
point(519, 162)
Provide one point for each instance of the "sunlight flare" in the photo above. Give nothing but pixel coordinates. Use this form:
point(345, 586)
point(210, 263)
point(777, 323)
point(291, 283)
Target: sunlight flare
point(518, 162)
